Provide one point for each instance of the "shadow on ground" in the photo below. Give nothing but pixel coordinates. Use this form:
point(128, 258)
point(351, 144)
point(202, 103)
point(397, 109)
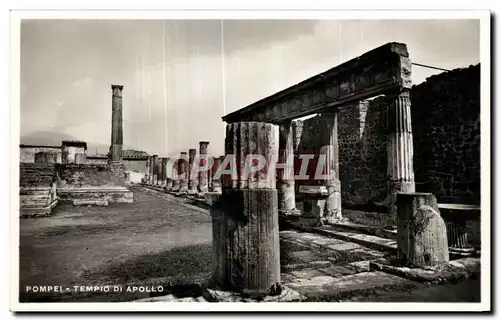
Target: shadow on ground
point(180, 271)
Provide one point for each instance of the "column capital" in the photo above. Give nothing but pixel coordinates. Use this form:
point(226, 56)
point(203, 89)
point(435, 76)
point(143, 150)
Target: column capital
point(117, 90)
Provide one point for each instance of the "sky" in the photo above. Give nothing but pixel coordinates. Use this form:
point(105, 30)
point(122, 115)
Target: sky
point(181, 76)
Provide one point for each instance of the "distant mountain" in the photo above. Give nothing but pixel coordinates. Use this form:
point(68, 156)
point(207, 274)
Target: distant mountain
point(49, 138)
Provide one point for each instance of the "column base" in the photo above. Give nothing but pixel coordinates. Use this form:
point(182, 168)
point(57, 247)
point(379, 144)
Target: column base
point(216, 295)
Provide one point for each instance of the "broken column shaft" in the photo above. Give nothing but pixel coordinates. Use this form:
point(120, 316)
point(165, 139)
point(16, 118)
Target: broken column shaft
point(203, 171)
point(183, 173)
point(146, 170)
point(246, 254)
point(216, 177)
point(421, 237)
point(192, 172)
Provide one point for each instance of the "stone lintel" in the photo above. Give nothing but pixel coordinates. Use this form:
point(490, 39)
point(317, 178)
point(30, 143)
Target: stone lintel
point(383, 70)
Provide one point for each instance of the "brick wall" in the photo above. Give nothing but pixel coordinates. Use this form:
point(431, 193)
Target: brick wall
point(27, 154)
point(86, 175)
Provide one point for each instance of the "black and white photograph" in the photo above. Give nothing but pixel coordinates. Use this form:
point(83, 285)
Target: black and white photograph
point(215, 161)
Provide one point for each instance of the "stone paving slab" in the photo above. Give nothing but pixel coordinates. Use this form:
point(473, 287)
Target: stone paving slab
point(328, 288)
point(451, 272)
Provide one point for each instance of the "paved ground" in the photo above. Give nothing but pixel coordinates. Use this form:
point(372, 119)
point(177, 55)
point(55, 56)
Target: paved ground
point(162, 240)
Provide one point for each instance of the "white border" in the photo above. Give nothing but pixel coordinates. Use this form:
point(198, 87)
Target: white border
point(483, 15)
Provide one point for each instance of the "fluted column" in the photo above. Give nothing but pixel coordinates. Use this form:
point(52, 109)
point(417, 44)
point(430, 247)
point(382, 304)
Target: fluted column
point(169, 174)
point(245, 218)
point(163, 181)
point(183, 173)
point(400, 175)
point(146, 170)
point(286, 180)
point(192, 172)
point(116, 124)
point(154, 170)
point(333, 204)
point(203, 172)
point(216, 177)
point(175, 175)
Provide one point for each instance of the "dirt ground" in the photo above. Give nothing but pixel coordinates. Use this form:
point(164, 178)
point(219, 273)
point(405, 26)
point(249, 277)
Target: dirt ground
point(119, 244)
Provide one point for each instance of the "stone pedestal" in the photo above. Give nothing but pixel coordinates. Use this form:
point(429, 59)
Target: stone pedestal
point(421, 237)
point(216, 177)
point(116, 124)
point(400, 173)
point(285, 173)
point(246, 254)
point(333, 205)
point(203, 171)
point(192, 172)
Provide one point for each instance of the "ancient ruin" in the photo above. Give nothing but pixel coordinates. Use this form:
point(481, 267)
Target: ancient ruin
point(73, 177)
point(303, 209)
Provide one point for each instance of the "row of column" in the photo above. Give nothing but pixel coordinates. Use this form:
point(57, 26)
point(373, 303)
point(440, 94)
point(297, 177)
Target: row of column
point(246, 254)
point(185, 175)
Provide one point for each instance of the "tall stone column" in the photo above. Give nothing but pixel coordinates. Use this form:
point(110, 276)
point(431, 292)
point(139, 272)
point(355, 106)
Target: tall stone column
point(286, 180)
point(163, 182)
point(154, 170)
point(146, 170)
point(175, 176)
point(203, 174)
point(400, 175)
point(183, 173)
point(246, 253)
point(333, 204)
point(216, 179)
point(192, 172)
point(116, 124)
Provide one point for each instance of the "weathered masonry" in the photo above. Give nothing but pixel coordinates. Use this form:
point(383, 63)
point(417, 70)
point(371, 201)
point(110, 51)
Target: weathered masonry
point(383, 71)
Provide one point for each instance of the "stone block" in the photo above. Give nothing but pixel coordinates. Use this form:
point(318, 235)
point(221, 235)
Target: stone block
point(86, 202)
point(421, 238)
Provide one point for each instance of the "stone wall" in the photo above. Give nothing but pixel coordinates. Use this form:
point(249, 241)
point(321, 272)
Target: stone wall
point(363, 152)
point(88, 175)
point(27, 153)
point(446, 135)
point(445, 121)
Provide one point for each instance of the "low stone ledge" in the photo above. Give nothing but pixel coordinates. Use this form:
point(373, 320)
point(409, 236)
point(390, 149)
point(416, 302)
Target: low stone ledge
point(452, 272)
point(89, 202)
point(112, 194)
point(287, 295)
point(328, 288)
